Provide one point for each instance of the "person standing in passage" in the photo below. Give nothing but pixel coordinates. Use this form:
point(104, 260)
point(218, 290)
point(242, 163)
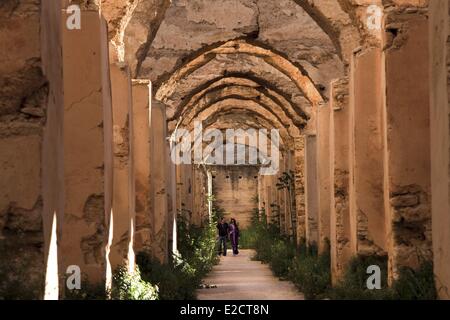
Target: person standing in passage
point(234, 236)
point(222, 227)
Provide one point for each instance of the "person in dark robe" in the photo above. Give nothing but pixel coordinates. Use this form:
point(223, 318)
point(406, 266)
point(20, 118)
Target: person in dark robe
point(234, 236)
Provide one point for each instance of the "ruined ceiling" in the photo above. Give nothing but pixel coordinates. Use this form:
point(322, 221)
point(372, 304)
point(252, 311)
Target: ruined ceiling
point(271, 59)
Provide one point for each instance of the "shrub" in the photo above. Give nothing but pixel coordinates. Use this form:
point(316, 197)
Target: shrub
point(180, 278)
point(310, 272)
point(130, 286)
point(88, 291)
point(353, 285)
point(416, 284)
point(175, 282)
point(282, 254)
point(197, 246)
point(250, 236)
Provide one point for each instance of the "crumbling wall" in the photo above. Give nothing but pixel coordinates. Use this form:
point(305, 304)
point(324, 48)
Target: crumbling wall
point(23, 99)
point(339, 173)
point(300, 200)
point(407, 164)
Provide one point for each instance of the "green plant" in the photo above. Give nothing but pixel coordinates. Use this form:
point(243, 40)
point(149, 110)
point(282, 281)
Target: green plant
point(282, 253)
point(130, 286)
point(311, 274)
point(180, 278)
point(174, 281)
point(21, 271)
point(88, 291)
point(416, 284)
point(353, 286)
point(410, 285)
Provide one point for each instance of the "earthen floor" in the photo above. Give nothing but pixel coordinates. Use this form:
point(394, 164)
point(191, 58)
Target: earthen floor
point(241, 278)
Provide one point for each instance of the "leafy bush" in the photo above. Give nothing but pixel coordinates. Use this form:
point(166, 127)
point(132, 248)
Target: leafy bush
point(282, 254)
point(247, 238)
point(250, 236)
point(197, 246)
point(175, 282)
point(353, 285)
point(411, 284)
point(130, 286)
point(311, 273)
point(416, 284)
point(88, 291)
point(180, 278)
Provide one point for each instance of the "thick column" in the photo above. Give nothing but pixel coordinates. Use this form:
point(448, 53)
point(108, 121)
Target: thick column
point(269, 198)
point(158, 181)
point(87, 148)
point(209, 181)
point(52, 171)
point(439, 59)
point(300, 189)
point(407, 144)
point(199, 213)
point(275, 205)
point(280, 196)
point(323, 175)
point(366, 174)
point(261, 194)
point(123, 183)
point(339, 173)
point(171, 199)
point(31, 188)
point(141, 141)
point(311, 190)
point(291, 217)
point(185, 191)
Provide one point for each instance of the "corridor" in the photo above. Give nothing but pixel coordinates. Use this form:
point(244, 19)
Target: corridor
point(240, 278)
point(128, 128)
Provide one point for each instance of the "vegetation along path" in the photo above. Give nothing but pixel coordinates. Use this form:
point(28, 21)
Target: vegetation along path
point(240, 278)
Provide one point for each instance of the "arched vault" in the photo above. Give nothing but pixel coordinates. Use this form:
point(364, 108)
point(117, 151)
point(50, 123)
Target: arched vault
point(245, 94)
point(259, 88)
point(301, 80)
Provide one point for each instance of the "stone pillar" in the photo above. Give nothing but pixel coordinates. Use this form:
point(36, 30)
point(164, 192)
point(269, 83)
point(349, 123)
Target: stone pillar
point(339, 174)
point(311, 190)
point(281, 196)
point(290, 198)
point(199, 196)
point(323, 175)
point(366, 169)
point(172, 199)
point(52, 171)
point(261, 195)
point(87, 148)
point(268, 198)
point(31, 187)
point(275, 205)
point(439, 60)
point(407, 144)
point(123, 213)
point(289, 195)
point(300, 202)
point(185, 191)
point(141, 141)
point(210, 194)
point(158, 181)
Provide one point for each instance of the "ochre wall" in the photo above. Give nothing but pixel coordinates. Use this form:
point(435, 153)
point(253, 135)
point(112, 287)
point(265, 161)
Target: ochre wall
point(235, 189)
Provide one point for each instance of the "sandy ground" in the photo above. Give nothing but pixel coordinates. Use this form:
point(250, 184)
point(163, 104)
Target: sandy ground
point(240, 278)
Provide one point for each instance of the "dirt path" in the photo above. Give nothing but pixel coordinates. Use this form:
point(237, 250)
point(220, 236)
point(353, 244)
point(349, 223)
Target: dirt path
point(240, 278)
